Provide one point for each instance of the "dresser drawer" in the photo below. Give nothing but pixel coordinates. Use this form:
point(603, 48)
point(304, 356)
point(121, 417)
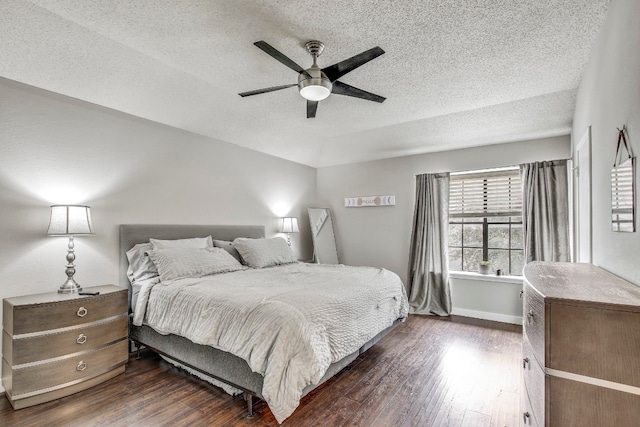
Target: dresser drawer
point(38, 318)
point(47, 346)
point(574, 331)
point(527, 417)
point(39, 378)
point(533, 321)
point(576, 404)
point(534, 381)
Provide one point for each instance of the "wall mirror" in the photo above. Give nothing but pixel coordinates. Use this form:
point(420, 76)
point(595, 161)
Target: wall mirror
point(623, 197)
point(324, 242)
point(623, 179)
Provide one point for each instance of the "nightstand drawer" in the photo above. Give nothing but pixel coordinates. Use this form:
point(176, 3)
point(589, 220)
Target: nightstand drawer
point(43, 377)
point(47, 346)
point(73, 312)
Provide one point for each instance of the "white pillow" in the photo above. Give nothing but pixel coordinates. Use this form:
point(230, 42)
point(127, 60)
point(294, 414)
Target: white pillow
point(140, 265)
point(259, 253)
point(178, 263)
point(196, 242)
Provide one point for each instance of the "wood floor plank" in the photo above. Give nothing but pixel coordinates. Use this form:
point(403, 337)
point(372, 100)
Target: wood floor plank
point(450, 372)
point(503, 414)
point(475, 419)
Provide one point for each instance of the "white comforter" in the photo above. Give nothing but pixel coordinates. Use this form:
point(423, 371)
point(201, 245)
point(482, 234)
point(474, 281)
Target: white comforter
point(288, 322)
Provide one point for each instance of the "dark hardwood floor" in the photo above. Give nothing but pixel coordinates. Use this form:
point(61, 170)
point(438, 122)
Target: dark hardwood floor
point(427, 372)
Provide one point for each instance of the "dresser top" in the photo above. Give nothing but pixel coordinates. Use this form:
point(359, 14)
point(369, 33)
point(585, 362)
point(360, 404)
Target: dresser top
point(50, 297)
point(564, 281)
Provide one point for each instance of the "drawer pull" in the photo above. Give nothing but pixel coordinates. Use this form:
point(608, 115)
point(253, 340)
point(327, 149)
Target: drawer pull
point(521, 293)
point(82, 312)
point(81, 366)
point(82, 338)
point(530, 315)
point(525, 362)
point(526, 417)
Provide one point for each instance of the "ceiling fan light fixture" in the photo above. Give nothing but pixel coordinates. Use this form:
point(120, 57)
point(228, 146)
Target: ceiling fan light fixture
point(315, 88)
point(315, 92)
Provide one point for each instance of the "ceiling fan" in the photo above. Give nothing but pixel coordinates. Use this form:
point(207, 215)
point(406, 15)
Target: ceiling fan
point(316, 84)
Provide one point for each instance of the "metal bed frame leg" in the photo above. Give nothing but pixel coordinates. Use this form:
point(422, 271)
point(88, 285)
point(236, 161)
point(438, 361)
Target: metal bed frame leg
point(249, 399)
point(137, 346)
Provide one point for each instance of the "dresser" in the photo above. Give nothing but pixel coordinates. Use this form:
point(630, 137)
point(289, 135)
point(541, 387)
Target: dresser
point(581, 347)
point(55, 344)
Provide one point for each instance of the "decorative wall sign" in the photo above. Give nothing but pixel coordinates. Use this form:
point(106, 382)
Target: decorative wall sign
point(363, 201)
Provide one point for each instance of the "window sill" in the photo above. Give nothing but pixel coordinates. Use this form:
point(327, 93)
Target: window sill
point(470, 275)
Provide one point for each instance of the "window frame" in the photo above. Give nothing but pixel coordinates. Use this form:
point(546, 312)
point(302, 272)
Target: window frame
point(511, 217)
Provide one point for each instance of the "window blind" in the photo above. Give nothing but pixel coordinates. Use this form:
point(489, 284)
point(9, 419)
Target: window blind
point(485, 194)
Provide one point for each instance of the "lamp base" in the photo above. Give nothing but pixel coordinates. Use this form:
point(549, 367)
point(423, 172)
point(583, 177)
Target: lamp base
point(69, 287)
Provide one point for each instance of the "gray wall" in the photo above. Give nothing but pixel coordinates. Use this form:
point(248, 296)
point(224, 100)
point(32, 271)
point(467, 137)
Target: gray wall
point(380, 235)
point(57, 150)
point(608, 97)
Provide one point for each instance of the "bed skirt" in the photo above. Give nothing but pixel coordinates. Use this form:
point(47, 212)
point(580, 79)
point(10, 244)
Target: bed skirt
point(224, 366)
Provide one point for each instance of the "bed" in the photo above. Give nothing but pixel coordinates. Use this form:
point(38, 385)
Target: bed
point(225, 353)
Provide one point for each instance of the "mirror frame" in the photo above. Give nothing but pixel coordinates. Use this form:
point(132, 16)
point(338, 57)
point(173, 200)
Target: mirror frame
point(623, 183)
point(314, 239)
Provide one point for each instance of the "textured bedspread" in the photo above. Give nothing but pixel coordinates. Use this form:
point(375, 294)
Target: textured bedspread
point(288, 322)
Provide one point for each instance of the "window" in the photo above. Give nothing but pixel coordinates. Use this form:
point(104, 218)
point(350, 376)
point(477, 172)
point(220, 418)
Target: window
point(485, 221)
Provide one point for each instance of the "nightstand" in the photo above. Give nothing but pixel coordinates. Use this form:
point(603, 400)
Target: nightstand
point(54, 344)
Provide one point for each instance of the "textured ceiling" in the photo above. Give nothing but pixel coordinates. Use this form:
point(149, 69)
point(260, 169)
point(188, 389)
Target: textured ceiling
point(456, 73)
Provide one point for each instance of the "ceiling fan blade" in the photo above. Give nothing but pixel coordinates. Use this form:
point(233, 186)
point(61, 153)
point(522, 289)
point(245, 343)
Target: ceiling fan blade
point(265, 90)
point(312, 107)
point(279, 56)
point(340, 88)
point(335, 71)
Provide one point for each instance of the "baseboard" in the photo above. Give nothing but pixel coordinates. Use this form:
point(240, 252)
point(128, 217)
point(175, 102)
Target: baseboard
point(496, 317)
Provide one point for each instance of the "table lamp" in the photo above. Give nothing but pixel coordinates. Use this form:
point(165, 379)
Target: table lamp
point(70, 220)
point(289, 225)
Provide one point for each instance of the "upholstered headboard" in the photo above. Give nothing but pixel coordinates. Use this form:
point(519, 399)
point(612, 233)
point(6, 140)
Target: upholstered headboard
point(131, 234)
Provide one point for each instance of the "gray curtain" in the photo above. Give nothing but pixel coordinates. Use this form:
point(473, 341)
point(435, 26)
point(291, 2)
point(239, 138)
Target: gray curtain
point(428, 284)
point(545, 211)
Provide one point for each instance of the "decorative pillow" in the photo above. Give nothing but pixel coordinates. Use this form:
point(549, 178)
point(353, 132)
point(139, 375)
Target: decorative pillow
point(259, 253)
point(228, 246)
point(178, 263)
point(140, 265)
point(196, 242)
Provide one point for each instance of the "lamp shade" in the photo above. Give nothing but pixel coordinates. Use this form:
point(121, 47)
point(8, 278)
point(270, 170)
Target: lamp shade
point(289, 225)
point(69, 220)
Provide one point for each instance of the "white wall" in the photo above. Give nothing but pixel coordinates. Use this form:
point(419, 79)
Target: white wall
point(608, 98)
point(57, 150)
point(380, 236)
point(487, 296)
